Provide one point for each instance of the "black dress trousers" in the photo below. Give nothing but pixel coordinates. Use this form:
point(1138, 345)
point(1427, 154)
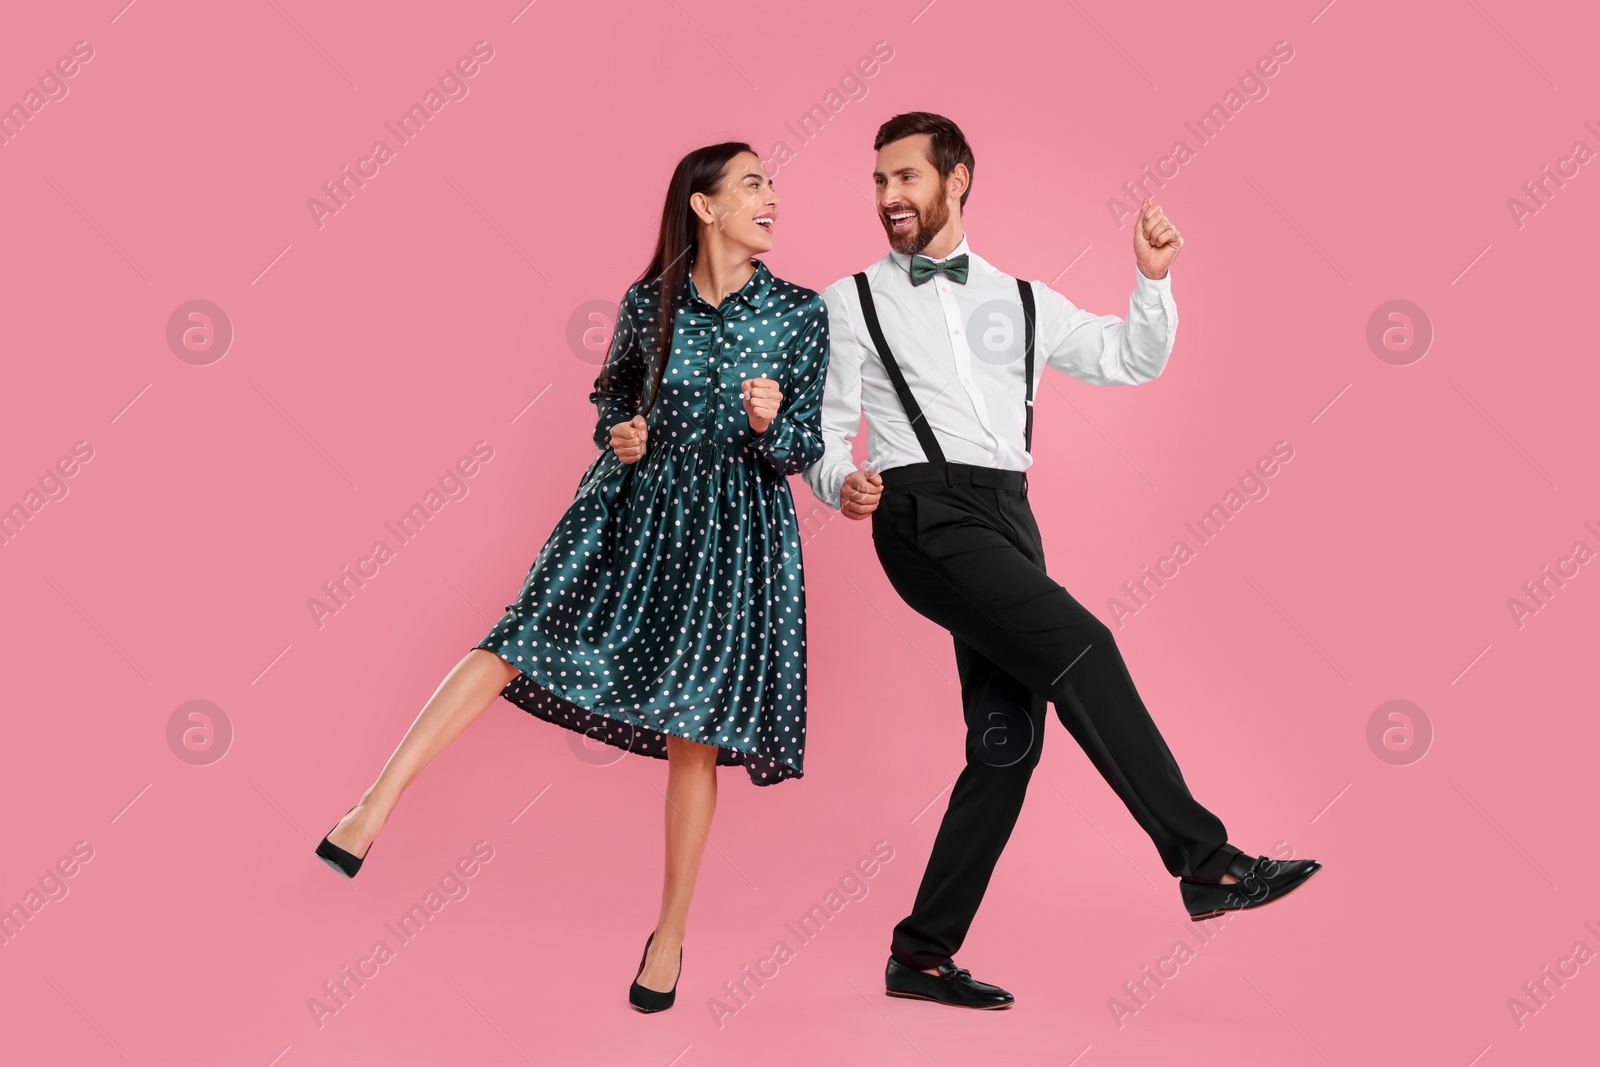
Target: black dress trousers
point(965, 552)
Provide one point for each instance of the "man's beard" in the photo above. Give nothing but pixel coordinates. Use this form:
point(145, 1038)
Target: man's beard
point(929, 222)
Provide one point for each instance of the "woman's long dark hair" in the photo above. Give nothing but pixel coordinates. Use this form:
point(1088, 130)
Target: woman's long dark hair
point(701, 171)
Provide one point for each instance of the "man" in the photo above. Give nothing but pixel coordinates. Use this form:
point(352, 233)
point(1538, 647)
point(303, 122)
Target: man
point(943, 353)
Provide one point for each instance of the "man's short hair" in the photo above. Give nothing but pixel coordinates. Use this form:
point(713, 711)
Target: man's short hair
point(947, 145)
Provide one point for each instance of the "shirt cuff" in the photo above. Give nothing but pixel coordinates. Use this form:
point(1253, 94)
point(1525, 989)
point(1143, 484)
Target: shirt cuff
point(833, 483)
point(777, 440)
point(1149, 291)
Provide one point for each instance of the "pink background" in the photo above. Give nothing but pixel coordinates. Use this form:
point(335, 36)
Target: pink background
point(434, 309)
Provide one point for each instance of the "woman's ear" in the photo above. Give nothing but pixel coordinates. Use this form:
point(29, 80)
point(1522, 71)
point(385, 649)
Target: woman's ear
point(700, 204)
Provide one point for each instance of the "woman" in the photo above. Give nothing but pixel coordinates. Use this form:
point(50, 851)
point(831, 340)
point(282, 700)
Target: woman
point(666, 613)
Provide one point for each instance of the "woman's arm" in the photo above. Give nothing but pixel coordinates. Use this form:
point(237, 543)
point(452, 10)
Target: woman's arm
point(619, 388)
point(793, 441)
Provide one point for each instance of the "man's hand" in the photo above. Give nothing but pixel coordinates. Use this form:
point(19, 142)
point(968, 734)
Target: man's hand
point(628, 439)
point(761, 399)
point(859, 494)
point(1155, 241)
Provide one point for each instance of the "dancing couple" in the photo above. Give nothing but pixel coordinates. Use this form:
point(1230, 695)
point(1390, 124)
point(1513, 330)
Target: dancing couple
point(665, 615)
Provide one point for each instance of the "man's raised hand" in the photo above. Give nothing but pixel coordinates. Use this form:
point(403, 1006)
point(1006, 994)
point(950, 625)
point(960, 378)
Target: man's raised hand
point(1155, 241)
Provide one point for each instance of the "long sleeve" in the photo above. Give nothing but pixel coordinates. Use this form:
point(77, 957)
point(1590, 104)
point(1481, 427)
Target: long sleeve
point(619, 389)
point(792, 442)
point(1104, 349)
point(841, 403)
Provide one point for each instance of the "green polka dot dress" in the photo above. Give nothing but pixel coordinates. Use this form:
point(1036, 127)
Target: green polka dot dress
point(669, 599)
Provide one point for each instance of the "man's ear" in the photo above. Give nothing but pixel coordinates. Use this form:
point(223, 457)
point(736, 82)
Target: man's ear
point(959, 181)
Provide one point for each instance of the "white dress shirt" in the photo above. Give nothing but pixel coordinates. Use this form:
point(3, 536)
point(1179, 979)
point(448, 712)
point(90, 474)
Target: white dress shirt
point(961, 350)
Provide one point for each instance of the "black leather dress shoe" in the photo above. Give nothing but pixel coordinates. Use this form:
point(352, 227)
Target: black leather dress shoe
point(1260, 881)
point(952, 985)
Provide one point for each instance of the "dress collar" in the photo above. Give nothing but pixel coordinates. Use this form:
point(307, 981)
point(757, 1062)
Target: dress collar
point(903, 261)
point(753, 292)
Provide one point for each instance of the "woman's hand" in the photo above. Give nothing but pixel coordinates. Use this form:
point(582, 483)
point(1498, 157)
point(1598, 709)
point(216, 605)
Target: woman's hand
point(761, 400)
point(629, 438)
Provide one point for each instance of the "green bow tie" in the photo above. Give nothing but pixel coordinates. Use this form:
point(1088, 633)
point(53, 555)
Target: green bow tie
point(923, 268)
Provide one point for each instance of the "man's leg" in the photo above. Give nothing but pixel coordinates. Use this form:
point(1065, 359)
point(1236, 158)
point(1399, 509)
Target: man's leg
point(1005, 726)
point(989, 588)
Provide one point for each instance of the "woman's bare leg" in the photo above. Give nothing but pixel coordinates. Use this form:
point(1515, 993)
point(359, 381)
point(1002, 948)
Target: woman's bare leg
point(691, 802)
point(466, 691)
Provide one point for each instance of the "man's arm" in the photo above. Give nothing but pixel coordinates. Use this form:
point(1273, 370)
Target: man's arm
point(1104, 349)
point(841, 401)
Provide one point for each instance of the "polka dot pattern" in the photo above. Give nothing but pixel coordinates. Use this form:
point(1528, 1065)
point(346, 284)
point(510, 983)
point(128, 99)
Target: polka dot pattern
point(669, 600)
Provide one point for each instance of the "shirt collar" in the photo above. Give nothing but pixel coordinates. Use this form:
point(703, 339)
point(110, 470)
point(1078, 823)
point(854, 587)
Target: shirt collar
point(753, 293)
point(903, 261)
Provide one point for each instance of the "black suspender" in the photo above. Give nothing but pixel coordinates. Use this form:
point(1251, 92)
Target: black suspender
point(919, 423)
point(1027, 329)
point(925, 438)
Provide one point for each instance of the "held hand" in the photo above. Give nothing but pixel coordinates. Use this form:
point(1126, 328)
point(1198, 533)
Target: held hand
point(761, 399)
point(860, 493)
point(628, 439)
point(1155, 241)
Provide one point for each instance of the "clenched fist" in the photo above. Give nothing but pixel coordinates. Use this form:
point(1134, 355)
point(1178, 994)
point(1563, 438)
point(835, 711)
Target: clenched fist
point(1155, 241)
point(761, 399)
point(628, 439)
point(858, 497)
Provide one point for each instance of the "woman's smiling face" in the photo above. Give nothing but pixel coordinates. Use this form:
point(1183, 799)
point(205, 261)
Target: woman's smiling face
point(745, 208)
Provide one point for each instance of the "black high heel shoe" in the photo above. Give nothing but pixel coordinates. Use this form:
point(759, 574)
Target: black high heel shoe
point(648, 1000)
point(338, 858)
